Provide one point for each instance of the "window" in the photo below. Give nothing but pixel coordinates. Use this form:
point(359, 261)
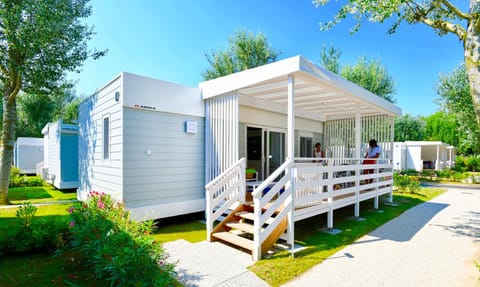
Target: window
point(106, 138)
point(306, 147)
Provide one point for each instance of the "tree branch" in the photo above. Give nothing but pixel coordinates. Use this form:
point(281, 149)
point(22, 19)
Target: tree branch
point(455, 10)
point(445, 26)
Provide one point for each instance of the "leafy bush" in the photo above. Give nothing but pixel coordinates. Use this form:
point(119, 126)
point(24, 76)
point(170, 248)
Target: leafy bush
point(17, 180)
point(471, 163)
point(405, 183)
point(410, 171)
point(119, 251)
point(33, 234)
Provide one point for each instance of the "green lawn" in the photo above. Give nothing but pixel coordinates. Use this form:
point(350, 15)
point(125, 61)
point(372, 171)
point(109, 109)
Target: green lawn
point(39, 194)
point(46, 270)
point(281, 267)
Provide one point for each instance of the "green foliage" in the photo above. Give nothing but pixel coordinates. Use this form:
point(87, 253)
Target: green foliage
point(371, 75)
point(436, 14)
point(330, 58)
point(25, 213)
point(17, 180)
point(409, 128)
point(456, 101)
point(29, 233)
point(441, 127)
point(244, 51)
point(34, 111)
point(406, 183)
point(470, 163)
point(119, 251)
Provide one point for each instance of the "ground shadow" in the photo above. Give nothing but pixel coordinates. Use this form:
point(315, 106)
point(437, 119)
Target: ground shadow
point(404, 227)
point(467, 225)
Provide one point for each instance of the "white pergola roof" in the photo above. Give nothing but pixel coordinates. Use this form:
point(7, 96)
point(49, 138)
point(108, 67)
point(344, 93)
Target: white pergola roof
point(319, 93)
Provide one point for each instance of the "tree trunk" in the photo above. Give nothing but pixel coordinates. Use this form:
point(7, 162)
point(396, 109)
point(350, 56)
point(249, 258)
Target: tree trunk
point(472, 57)
point(7, 141)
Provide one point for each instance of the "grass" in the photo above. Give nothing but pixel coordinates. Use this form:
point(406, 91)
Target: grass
point(43, 210)
point(46, 270)
point(39, 194)
point(187, 227)
point(281, 267)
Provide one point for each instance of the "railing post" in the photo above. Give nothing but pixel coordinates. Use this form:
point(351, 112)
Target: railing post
point(376, 173)
point(290, 215)
point(330, 199)
point(242, 193)
point(357, 189)
point(257, 212)
point(208, 214)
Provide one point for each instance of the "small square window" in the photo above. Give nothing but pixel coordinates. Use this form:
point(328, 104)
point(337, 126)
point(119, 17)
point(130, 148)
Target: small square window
point(106, 138)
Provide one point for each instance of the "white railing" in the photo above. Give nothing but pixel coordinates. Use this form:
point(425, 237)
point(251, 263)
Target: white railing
point(224, 192)
point(274, 194)
point(322, 186)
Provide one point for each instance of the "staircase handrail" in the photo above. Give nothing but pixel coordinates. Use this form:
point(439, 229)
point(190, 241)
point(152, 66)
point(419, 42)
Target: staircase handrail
point(284, 201)
point(217, 191)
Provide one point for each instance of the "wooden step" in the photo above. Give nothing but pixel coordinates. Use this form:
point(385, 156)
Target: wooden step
point(241, 226)
point(234, 239)
point(249, 216)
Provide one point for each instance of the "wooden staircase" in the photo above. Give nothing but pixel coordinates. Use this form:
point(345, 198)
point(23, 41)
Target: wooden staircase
point(237, 229)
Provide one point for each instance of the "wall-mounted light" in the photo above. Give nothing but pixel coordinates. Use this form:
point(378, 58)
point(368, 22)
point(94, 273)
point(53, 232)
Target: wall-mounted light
point(117, 96)
point(190, 127)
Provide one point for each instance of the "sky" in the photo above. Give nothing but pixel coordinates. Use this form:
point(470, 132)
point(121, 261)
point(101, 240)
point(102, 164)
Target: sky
point(168, 40)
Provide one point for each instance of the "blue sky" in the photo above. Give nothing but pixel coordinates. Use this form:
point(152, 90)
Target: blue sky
point(168, 40)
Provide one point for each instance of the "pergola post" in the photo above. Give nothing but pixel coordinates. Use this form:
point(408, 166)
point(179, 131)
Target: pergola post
point(290, 156)
point(358, 147)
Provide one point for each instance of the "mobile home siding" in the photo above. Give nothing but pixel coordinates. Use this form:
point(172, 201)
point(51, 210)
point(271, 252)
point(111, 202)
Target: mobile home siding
point(27, 153)
point(163, 163)
point(95, 172)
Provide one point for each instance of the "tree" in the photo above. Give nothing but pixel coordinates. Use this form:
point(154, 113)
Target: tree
point(409, 128)
point(369, 74)
point(330, 58)
point(244, 51)
point(39, 42)
point(33, 113)
point(441, 15)
point(455, 100)
point(441, 126)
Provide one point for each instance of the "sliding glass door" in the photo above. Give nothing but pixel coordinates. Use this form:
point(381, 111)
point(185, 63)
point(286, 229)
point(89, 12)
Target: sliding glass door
point(265, 150)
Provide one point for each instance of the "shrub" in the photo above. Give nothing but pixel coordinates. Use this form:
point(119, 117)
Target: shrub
point(471, 163)
point(119, 251)
point(17, 180)
point(33, 234)
point(405, 183)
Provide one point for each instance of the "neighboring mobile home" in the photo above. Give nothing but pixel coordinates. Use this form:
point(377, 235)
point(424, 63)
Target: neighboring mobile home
point(421, 155)
point(142, 141)
point(27, 152)
point(60, 165)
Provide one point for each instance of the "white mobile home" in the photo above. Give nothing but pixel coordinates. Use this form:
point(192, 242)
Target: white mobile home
point(165, 149)
point(27, 152)
point(421, 155)
point(142, 141)
point(60, 165)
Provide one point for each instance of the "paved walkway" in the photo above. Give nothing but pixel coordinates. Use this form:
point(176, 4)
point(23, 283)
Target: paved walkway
point(432, 244)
